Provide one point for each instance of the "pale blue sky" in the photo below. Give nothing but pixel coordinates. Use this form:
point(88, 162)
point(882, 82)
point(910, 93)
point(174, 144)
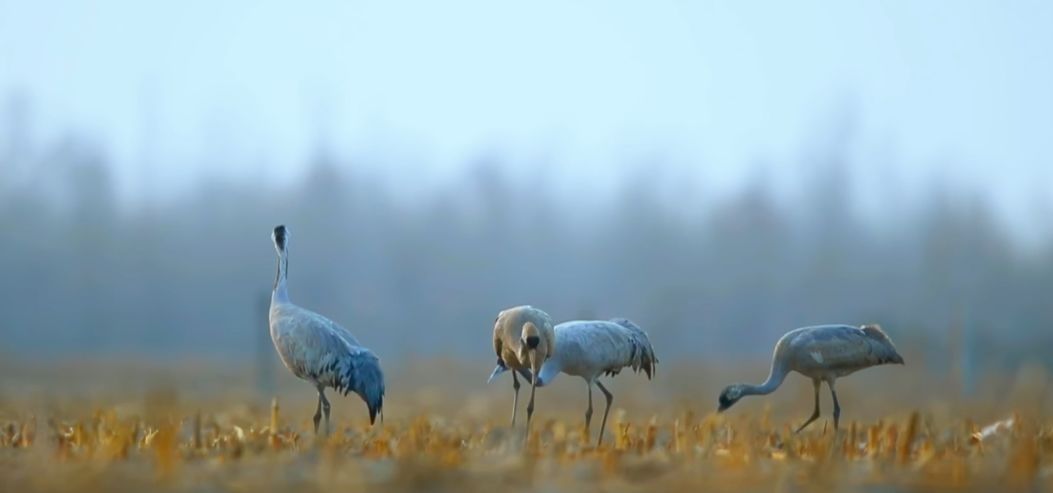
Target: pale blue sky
point(712, 87)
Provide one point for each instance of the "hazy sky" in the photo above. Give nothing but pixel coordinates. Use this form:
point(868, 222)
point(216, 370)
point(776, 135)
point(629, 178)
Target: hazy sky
point(718, 87)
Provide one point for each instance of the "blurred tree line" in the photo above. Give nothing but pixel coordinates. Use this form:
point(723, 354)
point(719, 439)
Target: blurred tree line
point(189, 277)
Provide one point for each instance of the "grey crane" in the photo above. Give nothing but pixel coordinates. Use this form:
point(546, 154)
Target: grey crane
point(523, 340)
point(592, 348)
point(318, 350)
point(823, 353)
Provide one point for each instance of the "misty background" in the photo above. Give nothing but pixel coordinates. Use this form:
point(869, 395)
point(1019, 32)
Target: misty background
point(719, 174)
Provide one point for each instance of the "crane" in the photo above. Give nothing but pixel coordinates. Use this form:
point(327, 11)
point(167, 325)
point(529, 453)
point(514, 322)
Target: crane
point(317, 349)
point(592, 348)
point(523, 340)
point(823, 353)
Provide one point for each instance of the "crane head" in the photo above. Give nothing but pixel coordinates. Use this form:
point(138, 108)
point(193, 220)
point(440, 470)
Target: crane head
point(533, 347)
point(729, 396)
point(280, 237)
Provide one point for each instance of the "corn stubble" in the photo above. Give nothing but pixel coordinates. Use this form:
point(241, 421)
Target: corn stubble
point(219, 451)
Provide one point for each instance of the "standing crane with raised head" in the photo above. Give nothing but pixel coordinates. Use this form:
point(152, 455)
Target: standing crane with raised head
point(523, 341)
point(823, 353)
point(592, 348)
point(318, 350)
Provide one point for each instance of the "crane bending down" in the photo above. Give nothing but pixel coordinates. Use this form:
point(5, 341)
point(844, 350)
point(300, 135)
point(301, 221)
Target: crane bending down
point(523, 340)
point(823, 353)
point(318, 350)
point(592, 348)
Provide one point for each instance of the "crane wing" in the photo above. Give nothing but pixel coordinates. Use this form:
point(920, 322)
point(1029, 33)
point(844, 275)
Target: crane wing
point(498, 344)
point(317, 349)
point(837, 347)
point(586, 347)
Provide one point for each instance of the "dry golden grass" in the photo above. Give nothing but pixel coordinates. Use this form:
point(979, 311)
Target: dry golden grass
point(456, 439)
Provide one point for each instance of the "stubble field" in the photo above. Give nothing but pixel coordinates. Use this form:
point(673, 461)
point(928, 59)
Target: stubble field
point(196, 427)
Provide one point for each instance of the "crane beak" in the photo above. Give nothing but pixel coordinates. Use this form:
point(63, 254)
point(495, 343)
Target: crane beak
point(497, 371)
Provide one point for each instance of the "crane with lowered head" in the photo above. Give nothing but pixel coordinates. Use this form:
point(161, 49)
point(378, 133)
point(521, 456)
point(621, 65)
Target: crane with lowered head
point(822, 353)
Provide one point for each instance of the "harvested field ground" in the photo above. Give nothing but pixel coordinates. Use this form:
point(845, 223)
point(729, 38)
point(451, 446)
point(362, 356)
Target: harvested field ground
point(179, 429)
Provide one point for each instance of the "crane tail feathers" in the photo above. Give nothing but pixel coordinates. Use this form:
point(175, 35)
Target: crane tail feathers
point(641, 352)
point(360, 373)
point(884, 349)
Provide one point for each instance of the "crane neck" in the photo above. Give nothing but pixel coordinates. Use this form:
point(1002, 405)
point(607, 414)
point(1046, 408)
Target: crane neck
point(549, 371)
point(775, 378)
point(281, 293)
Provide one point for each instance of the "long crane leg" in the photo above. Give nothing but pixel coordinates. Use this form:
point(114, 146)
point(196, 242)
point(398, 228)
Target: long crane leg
point(606, 410)
point(325, 408)
point(588, 412)
point(530, 405)
point(515, 398)
point(318, 413)
point(837, 407)
point(815, 413)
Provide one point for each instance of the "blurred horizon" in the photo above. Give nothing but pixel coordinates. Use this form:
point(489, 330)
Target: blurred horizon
point(719, 174)
point(172, 93)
